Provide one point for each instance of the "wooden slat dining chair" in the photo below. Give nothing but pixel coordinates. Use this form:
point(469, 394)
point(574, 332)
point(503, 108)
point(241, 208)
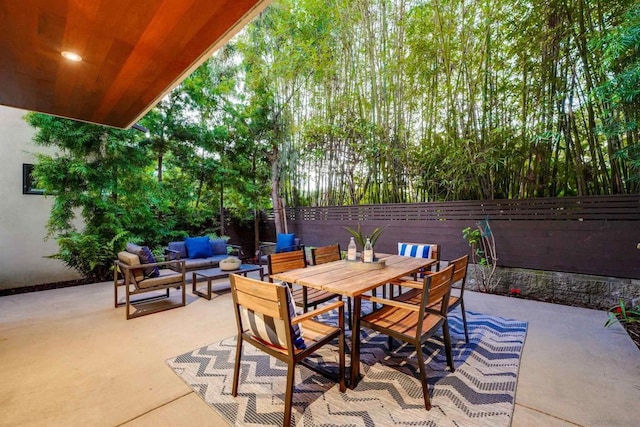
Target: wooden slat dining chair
point(325, 254)
point(459, 276)
point(413, 323)
point(416, 250)
point(264, 319)
point(304, 297)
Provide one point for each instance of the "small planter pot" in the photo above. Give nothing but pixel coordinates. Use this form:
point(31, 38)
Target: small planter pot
point(231, 263)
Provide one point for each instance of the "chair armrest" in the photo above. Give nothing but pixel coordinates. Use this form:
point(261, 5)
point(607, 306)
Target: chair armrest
point(310, 314)
point(153, 264)
point(409, 283)
point(235, 249)
point(265, 248)
point(292, 248)
point(392, 303)
point(171, 254)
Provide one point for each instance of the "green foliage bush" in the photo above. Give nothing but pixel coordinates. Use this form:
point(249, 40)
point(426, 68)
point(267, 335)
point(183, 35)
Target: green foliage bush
point(105, 177)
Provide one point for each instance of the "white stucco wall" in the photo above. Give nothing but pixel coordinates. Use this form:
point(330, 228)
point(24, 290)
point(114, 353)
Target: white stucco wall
point(23, 217)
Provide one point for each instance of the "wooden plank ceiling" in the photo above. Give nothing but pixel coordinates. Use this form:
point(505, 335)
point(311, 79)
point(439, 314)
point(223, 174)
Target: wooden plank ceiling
point(133, 52)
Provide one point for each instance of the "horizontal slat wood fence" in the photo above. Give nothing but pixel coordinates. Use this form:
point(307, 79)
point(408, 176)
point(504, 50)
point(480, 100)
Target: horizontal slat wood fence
point(591, 235)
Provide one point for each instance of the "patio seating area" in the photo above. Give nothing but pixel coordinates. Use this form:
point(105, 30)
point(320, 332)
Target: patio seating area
point(69, 358)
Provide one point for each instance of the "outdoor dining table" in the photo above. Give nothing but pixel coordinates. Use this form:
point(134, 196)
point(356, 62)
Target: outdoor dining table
point(344, 278)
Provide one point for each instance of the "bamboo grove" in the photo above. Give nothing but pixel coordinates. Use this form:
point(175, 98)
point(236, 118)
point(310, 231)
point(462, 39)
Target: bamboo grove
point(392, 101)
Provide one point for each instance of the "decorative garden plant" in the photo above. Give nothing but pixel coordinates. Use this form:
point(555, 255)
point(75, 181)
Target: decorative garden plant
point(483, 254)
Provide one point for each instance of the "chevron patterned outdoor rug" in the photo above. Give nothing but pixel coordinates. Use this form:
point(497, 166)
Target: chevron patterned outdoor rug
point(481, 391)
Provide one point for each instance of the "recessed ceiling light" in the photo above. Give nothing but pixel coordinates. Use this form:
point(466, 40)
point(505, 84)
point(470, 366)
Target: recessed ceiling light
point(71, 56)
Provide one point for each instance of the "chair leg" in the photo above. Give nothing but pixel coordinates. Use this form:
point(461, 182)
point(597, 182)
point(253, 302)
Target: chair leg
point(288, 398)
point(341, 350)
point(464, 321)
point(236, 368)
point(390, 341)
point(127, 301)
point(304, 299)
point(115, 286)
point(423, 377)
point(447, 345)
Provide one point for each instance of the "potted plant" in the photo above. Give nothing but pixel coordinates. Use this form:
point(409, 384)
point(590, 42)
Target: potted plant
point(361, 238)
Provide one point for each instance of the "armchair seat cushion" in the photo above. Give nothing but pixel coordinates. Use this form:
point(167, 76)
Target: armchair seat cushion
point(165, 277)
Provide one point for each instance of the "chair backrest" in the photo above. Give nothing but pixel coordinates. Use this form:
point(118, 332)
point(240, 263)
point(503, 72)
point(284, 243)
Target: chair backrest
point(325, 254)
point(130, 261)
point(437, 287)
point(421, 250)
point(262, 310)
point(285, 261)
point(460, 270)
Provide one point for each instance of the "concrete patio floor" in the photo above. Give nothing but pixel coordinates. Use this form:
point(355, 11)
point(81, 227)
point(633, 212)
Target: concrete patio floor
point(68, 358)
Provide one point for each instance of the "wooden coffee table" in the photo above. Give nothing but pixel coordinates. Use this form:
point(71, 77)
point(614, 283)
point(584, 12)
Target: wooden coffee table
point(217, 273)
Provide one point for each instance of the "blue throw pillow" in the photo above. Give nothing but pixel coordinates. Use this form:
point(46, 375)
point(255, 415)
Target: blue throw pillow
point(285, 242)
point(218, 246)
point(198, 247)
point(146, 257)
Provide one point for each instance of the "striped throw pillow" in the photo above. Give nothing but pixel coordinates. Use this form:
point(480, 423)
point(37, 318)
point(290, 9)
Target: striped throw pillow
point(271, 331)
point(415, 250)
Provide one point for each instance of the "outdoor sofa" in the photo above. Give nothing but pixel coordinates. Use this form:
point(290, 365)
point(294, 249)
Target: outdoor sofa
point(201, 253)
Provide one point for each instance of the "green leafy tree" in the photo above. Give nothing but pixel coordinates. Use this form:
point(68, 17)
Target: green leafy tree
point(620, 94)
point(104, 191)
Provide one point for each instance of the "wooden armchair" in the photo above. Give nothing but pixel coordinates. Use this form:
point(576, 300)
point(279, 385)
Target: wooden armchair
point(137, 281)
point(284, 243)
point(324, 254)
point(416, 250)
point(264, 319)
point(459, 275)
point(304, 297)
point(421, 250)
point(413, 323)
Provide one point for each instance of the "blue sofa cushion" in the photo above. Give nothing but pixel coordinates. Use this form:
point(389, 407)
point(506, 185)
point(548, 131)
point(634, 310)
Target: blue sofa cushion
point(218, 246)
point(198, 247)
point(285, 242)
point(201, 263)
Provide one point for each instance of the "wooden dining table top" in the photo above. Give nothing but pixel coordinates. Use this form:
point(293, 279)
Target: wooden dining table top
point(344, 278)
